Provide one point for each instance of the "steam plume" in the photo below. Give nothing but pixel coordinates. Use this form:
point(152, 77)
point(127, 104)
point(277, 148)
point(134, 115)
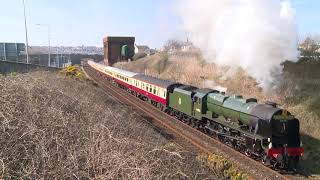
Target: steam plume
point(256, 35)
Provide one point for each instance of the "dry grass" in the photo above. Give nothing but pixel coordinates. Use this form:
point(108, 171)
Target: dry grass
point(53, 127)
point(300, 95)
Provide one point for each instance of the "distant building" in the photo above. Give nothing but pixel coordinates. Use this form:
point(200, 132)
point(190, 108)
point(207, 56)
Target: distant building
point(117, 49)
point(187, 46)
point(61, 60)
point(144, 49)
point(141, 49)
point(12, 51)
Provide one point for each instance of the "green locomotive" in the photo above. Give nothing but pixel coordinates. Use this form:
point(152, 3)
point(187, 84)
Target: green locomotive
point(261, 130)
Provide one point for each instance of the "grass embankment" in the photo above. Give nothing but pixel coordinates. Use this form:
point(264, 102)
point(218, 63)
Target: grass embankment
point(56, 127)
point(299, 90)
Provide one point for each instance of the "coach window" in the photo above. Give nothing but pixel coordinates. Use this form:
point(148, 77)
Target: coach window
point(150, 88)
point(154, 90)
point(147, 87)
point(164, 94)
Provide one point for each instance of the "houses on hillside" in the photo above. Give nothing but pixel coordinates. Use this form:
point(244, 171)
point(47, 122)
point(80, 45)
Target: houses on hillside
point(176, 46)
point(144, 49)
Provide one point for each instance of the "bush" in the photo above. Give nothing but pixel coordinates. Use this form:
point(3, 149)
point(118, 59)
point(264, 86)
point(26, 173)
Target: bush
point(139, 56)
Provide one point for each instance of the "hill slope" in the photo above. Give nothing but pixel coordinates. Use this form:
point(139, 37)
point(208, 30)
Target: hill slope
point(54, 127)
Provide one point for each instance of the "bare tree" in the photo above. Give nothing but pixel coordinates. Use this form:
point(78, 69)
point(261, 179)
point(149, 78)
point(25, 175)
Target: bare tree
point(310, 48)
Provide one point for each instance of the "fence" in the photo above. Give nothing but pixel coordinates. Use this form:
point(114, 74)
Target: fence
point(8, 67)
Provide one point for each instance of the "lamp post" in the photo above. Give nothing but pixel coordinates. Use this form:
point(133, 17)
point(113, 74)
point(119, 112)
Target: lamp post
point(49, 53)
point(26, 29)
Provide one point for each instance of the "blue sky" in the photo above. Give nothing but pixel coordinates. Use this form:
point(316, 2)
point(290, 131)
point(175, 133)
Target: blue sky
point(86, 22)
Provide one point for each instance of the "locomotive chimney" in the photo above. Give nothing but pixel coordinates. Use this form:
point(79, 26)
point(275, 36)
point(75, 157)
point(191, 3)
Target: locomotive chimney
point(273, 104)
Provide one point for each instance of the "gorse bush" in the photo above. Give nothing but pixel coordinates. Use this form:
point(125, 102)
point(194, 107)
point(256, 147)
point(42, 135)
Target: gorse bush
point(73, 71)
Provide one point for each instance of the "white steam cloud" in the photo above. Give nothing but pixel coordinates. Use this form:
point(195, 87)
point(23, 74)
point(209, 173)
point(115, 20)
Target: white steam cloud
point(256, 35)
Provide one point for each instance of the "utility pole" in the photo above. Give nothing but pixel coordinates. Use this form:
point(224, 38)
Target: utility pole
point(4, 50)
point(49, 53)
point(203, 81)
point(26, 30)
point(49, 60)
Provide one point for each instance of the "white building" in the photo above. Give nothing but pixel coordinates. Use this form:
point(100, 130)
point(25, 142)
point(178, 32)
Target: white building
point(141, 49)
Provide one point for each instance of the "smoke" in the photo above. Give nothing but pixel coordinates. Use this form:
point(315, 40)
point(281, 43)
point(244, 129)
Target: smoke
point(256, 35)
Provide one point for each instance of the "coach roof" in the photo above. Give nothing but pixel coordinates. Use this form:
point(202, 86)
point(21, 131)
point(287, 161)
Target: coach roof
point(114, 70)
point(152, 80)
point(121, 71)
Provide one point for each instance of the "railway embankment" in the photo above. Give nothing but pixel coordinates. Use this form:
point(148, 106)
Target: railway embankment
point(53, 126)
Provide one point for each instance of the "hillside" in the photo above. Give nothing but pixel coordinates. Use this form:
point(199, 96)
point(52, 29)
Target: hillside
point(55, 127)
point(299, 90)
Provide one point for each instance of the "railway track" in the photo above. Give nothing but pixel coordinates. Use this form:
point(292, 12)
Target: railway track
point(193, 137)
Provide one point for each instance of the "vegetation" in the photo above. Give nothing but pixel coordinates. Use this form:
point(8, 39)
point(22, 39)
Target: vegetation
point(298, 91)
point(56, 127)
point(139, 56)
point(217, 162)
point(72, 71)
point(310, 48)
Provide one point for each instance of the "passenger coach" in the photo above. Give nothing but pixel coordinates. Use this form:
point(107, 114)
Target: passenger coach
point(146, 87)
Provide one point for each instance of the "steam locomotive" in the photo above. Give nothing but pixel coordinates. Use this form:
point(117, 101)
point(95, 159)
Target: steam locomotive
point(261, 131)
